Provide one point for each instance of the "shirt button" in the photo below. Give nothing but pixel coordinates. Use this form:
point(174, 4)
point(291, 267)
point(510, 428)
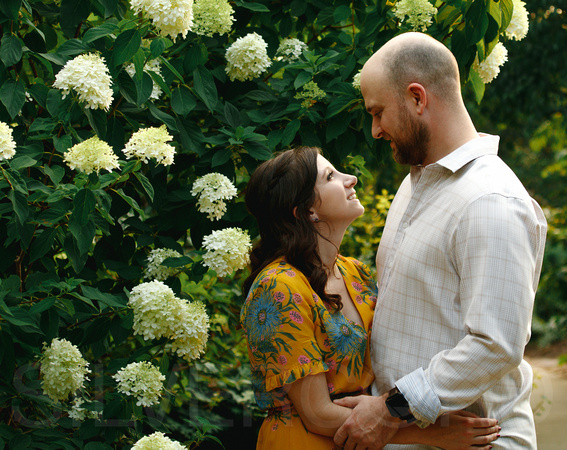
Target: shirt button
point(405, 225)
point(391, 263)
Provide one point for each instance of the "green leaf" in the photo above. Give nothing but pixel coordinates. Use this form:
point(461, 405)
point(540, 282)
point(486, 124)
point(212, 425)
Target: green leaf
point(20, 205)
point(13, 96)
point(97, 120)
point(21, 162)
point(10, 50)
point(145, 184)
point(55, 173)
point(127, 87)
point(476, 22)
point(163, 117)
point(301, 79)
point(477, 84)
point(158, 46)
point(166, 63)
point(507, 7)
point(343, 12)
point(205, 88)
point(290, 131)
point(42, 243)
point(126, 45)
point(258, 151)
point(83, 205)
point(130, 201)
point(117, 301)
point(232, 115)
point(10, 8)
point(261, 96)
point(72, 13)
point(139, 59)
point(159, 81)
point(253, 6)
point(83, 234)
point(43, 305)
point(71, 47)
point(53, 102)
point(144, 88)
point(221, 157)
point(182, 101)
point(176, 261)
point(93, 34)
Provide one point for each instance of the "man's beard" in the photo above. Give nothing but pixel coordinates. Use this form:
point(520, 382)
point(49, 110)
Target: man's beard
point(413, 148)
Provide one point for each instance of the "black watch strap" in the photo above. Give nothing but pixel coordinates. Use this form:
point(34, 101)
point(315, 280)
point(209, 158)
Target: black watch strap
point(398, 406)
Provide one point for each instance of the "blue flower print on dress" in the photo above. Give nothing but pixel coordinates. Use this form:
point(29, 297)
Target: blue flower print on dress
point(263, 319)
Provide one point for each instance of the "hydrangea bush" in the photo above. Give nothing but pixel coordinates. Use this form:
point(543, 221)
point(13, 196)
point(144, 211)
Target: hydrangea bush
point(128, 132)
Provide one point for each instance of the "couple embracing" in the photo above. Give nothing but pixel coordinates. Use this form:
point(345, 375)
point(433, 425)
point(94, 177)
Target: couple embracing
point(430, 356)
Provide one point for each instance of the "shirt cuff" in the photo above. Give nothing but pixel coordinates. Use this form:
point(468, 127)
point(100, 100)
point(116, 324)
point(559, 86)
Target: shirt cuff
point(423, 402)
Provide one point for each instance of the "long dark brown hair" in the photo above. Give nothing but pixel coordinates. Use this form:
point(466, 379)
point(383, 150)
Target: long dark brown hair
point(279, 195)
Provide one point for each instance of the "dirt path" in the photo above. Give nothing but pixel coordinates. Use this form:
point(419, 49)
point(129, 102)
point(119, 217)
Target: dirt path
point(549, 398)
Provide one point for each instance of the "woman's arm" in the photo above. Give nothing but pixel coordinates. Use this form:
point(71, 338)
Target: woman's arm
point(452, 431)
point(320, 415)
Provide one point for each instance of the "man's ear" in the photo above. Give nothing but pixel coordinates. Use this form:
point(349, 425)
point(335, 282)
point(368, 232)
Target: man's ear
point(418, 96)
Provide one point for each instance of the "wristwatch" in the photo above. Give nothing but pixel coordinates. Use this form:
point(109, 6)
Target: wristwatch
point(398, 405)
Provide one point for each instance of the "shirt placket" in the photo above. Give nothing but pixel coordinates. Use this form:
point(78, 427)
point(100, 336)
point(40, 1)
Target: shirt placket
point(423, 181)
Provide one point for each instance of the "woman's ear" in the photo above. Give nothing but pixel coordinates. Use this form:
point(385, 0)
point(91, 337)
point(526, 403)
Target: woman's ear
point(313, 217)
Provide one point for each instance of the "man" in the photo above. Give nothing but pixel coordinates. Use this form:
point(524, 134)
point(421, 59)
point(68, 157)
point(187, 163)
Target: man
point(458, 263)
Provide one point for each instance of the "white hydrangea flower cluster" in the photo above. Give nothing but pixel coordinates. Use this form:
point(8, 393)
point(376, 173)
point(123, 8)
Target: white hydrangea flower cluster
point(290, 49)
point(154, 269)
point(91, 155)
point(77, 412)
point(7, 144)
point(159, 313)
point(153, 65)
point(63, 369)
point(190, 335)
point(152, 303)
point(310, 93)
point(489, 69)
point(247, 58)
point(356, 81)
point(149, 143)
point(212, 16)
point(142, 380)
point(212, 189)
point(171, 17)
point(88, 76)
point(227, 250)
point(157, 441)
point(419, 13)
point(519, 24)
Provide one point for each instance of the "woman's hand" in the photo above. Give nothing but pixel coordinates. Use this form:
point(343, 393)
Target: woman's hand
point(463, 430)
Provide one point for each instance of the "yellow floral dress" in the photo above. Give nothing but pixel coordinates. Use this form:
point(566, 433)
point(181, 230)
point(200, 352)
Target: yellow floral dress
point(292, 334)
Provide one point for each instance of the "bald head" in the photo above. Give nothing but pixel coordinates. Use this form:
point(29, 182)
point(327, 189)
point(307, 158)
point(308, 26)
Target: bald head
point(416, 58)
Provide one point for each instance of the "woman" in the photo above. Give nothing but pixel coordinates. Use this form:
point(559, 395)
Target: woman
point(308, 310)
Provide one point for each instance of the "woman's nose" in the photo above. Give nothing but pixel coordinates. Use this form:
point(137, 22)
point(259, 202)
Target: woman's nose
point(351, 181)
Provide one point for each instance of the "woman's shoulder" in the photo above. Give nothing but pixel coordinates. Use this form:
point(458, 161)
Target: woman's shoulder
point(280, 274)
point(354, 266)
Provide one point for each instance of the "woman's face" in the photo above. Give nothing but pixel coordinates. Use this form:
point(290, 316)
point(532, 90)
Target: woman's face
point(337, 204)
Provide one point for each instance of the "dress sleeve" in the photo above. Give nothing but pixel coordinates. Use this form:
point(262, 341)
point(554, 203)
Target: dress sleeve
point(279, 318)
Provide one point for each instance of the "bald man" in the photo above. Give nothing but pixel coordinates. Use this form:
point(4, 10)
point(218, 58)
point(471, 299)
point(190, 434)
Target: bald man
point(458, 263)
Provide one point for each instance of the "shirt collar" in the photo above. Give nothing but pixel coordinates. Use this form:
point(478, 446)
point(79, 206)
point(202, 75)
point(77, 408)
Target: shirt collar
point(485, 144)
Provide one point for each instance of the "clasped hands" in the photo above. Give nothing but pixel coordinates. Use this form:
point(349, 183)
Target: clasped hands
point(370, 426)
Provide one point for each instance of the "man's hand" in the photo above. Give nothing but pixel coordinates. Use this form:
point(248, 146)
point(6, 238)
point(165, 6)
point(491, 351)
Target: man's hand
point(370, 426)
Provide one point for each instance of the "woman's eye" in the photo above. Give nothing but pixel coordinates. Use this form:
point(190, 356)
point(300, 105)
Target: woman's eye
point(329, 176)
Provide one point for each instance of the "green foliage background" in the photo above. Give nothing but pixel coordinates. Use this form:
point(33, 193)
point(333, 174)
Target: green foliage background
point(73, 246)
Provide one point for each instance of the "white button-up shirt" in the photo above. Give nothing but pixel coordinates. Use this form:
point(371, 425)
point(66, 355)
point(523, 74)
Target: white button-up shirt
point(458, 267)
